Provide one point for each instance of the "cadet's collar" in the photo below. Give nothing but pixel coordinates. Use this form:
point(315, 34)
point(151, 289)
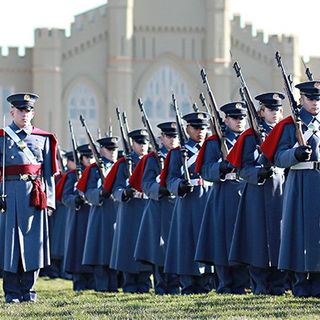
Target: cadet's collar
point(307, 117)
point(105, 160)
point(316, 118)
point(164, 150)
point(191, 142)
point(135, 157)
point(231, 135)
point(267, 126)
point(16, 129)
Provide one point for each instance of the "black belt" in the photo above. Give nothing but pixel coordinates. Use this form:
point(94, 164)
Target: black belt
point(23, 177)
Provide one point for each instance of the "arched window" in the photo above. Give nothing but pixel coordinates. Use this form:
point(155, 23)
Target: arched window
point(158, 91)
point(82, 101)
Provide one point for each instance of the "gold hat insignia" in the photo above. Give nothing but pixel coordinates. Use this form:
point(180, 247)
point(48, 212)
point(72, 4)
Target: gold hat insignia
point(317, 85)
point(26, 97)
point(276, 97)
point(200, 116)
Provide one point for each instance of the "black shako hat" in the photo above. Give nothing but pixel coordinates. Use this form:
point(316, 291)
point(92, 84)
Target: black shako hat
point(311, 89)
point(271, 100)
point(139, 136)
point(197, 119)
point(69, 156)
point(168, 128)
point(23, 100)
point(234, 109)
point(109, 142)
point(85, 150)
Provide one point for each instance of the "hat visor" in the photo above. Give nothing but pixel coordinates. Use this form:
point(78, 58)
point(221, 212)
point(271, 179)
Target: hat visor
point(171, 134)
point(24, 107)
point(86, 154)
point(112, 148)
point(141, 141)
point(275, 107)
point(236, 114)
point(313, 97)
point(199, 125)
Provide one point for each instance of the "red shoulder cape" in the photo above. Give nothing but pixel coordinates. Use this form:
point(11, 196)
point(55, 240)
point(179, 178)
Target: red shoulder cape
point(164, 172)
point(270, 144)
point(235, 154)
point(135, 180)
point(53, 146)
point(109, 180)
point(60, 184)
point(82, 182)
point(200, 156)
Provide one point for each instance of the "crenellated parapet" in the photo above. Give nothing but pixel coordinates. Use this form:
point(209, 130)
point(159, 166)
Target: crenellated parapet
point(75, 47)
point(89, 19)
point(168, 28)
point(258, 45)
point(48, 37)
point(87, 30)
point(15, 59)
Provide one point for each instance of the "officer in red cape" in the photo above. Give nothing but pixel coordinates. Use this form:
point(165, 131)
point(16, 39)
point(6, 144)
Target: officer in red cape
point(29, 189)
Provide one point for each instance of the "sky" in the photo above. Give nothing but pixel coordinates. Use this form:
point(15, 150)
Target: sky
point(19, 18)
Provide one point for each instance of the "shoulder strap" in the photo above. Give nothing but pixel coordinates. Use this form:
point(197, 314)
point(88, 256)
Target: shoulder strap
point(21, 145)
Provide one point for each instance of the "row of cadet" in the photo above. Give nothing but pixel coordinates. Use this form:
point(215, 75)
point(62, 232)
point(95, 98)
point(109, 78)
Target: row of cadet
point(248, 219)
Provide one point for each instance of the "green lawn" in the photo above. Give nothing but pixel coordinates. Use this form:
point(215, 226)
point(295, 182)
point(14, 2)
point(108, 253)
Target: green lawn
point(56, 300)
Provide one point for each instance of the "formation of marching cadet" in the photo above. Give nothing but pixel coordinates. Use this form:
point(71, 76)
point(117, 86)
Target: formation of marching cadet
point(211, 204)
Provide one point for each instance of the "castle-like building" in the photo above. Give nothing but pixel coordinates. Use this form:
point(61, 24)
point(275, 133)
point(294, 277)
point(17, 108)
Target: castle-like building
point(127, 49)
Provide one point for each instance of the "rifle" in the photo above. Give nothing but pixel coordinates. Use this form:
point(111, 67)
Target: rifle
point(60, 159)
point(205, 105)
point(255, 121)
point(98, 133)
point(110, 130)
point(76, 155)
point(3, 195)
point(307, 71)
point(126, 146)
point(126, 127)
point(195, 107)
point(243, 98)
point(153, 139)
point(295, 110)
point(94, 150)
point(183, 140)
point(216, 121)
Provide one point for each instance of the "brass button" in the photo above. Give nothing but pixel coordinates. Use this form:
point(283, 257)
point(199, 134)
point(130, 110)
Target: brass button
point(12, 157)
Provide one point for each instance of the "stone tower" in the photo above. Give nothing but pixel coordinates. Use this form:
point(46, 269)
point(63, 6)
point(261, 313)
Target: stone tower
point(119, 55)
point(46, 80)
point(217, 49)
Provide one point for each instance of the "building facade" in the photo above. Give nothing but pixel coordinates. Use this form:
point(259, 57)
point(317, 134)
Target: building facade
point(150, 49)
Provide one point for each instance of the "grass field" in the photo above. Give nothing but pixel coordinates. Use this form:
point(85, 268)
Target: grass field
point(56, 300)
